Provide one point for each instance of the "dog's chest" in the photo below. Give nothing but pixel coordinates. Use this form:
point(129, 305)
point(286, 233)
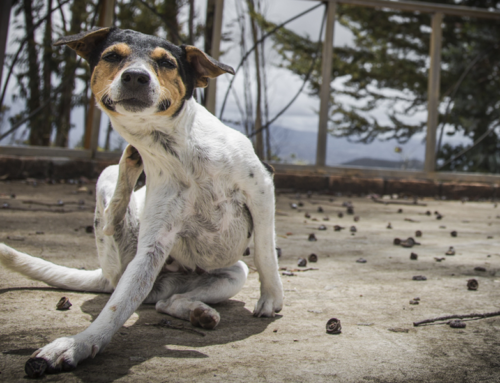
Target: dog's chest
point(216, 225)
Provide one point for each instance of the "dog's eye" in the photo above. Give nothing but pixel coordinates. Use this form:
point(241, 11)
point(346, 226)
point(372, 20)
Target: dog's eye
point(112, 57)
point(166, 63)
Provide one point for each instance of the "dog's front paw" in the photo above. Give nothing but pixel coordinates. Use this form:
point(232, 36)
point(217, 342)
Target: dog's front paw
point(63, 354)
point(270, 302)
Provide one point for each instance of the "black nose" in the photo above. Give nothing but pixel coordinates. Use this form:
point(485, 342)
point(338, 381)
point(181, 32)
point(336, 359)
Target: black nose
point(135, 78)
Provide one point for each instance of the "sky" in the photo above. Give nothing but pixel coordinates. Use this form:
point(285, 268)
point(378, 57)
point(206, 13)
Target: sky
point(302, 116)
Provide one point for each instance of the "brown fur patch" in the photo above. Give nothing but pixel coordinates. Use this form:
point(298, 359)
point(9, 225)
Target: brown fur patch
point(105, 72)
point(172, 87)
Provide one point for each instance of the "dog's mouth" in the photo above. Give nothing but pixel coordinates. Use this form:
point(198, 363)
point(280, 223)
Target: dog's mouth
point(131, 104)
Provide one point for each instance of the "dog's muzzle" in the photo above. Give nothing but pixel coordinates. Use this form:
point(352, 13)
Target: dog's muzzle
point(135, 92)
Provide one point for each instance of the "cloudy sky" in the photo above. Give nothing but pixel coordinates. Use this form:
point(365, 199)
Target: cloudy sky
point(302, 116)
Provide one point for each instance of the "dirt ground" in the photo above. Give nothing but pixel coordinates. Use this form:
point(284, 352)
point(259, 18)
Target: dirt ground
point(369, 298)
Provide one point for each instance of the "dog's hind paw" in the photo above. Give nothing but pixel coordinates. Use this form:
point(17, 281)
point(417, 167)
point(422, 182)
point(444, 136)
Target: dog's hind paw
point(205, 317)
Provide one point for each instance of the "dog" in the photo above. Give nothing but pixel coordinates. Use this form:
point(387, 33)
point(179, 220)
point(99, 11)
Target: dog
point(177, 241)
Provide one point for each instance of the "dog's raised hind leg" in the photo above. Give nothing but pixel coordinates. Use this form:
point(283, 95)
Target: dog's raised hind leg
point(130, 168)
point(209, 288)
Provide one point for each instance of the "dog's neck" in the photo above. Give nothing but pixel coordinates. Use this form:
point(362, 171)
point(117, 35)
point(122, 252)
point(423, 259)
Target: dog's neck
point(161, 141)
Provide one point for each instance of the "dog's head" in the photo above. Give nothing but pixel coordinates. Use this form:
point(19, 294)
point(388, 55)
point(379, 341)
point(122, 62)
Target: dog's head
point(133, 73)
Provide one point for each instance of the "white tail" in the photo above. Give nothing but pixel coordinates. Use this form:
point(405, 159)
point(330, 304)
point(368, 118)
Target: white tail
point(52, 274)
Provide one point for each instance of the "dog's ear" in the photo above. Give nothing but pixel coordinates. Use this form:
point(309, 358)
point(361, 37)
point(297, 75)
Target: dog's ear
point(205, 66)
point(85, 42)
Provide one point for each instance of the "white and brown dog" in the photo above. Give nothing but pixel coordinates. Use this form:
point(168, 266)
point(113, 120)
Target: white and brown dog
point(176, 242)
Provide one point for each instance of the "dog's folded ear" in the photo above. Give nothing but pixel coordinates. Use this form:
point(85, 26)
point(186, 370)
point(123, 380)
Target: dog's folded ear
point(205, 67)
point(85, 42)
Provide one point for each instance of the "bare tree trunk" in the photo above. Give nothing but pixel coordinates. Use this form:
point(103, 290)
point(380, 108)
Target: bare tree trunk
point(47, 118)
point(33, 101)
point(170, 15)
point(191, 22)
point(63, 121)
point(259, 142)
point(209, 30)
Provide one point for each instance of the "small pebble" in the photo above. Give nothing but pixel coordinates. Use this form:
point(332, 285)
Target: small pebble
point(302, 262)
point(396, 241)
point(419, 278)
point(457, 323)
point(439, 216)
point(472, 284)
point(356, 218)
point(307, 215)
point(400, 211)
point(300, 204)
point(312, 238)
point(340, 215)
point(439, 259)
point(453, 233)
point(479, 268)
point(418, 233)
point(293, 205)
point(338, 228)
point(353, 229)
point(428, 212)
point(361, 260)
point(389, 226)
point(320, 209)
point(326, 218)
point(451, 251)
point(350, 210)
point(313, 258)
point(414, 302)
point(322, 227)
point(63, 304)
point(39, 232)
point(413, 256)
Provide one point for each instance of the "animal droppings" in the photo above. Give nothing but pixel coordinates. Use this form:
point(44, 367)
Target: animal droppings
point(63, 304)
point(302, 262)
point(312, 238)
point(419, 278)
point(333, 326)
point(472, 284)
point(451, 251)
point(313, 258)
point(418, 233)
point(453, 233)
point(413, 256)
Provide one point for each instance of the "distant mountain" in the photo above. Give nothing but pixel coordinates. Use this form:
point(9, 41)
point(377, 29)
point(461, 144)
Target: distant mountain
point(299, 147)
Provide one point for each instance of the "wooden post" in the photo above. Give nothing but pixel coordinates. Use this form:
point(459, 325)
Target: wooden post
point(216, 37)
point(5, 6)
point(433, 93)
point(326, 70)
point(93, 127)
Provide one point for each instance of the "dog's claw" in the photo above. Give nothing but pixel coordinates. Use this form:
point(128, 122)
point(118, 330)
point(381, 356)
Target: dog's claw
point(95, 350)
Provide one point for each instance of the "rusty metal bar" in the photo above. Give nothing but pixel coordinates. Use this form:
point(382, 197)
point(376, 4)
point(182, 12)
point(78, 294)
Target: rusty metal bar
point(433, 93)
point(216, 37)
point(326, 70)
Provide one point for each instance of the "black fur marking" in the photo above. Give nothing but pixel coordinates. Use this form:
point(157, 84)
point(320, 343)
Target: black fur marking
point(164, 105)
point(251, 175)
point(135, 156)
point(179, 109)
point(268, 167)
point(166, 141)
point(108, 104)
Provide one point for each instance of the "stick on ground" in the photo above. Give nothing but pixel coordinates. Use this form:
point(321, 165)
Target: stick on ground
point(466, 316)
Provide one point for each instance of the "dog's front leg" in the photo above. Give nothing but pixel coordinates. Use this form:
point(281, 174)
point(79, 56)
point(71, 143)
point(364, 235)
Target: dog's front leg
point(155, 243)
point(261, 205)
point(130, 168)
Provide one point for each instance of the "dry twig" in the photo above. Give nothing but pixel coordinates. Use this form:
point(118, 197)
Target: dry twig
point(466, 316)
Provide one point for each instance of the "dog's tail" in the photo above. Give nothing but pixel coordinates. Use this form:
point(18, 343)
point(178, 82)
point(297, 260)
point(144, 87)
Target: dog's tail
point(52, 274)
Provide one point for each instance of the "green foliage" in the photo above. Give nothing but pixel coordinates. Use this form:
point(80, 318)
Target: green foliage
point(386, 69)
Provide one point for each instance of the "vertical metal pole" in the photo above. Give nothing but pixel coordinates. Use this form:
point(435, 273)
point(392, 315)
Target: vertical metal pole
point(5, 6)
point(326, 70)
point(216, 36)
point(433, 93)
point(92, 130)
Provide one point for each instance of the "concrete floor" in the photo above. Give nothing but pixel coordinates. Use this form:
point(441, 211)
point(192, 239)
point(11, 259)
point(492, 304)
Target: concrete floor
point(369, 298)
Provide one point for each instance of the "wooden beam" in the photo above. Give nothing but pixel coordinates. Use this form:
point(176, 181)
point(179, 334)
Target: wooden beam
point(93, 127)
point(426, 7)
point(215, 53)
point(433, 93)
point(326, 70)
point(5, 6)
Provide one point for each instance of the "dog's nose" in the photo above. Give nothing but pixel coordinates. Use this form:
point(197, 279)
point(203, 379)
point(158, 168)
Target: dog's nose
point(135, 78)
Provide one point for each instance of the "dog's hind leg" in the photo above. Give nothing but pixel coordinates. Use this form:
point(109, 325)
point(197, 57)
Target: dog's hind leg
point(201, 290)
point(52, 274)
